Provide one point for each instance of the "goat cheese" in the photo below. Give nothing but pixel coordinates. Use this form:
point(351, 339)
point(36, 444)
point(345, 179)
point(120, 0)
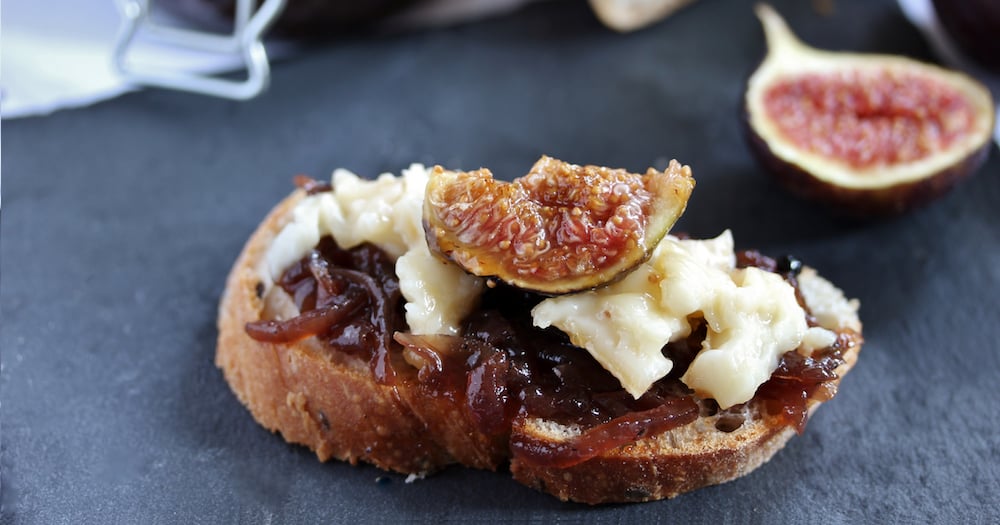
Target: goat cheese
point(387, 212)
point(752, 318)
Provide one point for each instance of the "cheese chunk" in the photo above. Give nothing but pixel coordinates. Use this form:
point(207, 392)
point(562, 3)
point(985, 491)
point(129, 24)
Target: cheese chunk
point(439, 294)
point(752, 318)
point(386, 212)
point(295, 240)
point(623, 326)
point(827, 302)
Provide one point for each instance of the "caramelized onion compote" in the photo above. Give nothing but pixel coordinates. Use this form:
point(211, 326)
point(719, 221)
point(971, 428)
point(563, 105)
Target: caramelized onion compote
point(349, 299)
point(502, 370)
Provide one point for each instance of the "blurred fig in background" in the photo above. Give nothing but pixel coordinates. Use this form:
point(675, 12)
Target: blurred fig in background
point(975, 26)
point(867, 134)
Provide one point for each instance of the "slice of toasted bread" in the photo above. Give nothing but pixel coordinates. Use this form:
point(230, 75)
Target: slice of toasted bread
point(328, 401)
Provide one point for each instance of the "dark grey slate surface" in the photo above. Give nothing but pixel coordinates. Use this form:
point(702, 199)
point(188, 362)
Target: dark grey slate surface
point(120, 222)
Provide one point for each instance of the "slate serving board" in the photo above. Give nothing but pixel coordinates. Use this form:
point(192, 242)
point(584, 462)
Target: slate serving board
point(120, 222)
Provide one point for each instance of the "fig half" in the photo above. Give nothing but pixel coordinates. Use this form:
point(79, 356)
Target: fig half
point(868, 134)
point(561, 228)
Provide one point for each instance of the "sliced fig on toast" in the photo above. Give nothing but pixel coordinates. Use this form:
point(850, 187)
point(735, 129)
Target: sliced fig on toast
point(559, 229)
point(868, 134)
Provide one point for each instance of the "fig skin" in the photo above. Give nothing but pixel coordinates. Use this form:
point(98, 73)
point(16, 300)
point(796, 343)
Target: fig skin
point(868, 191)
point(562, 228)
point(975, 26)
point(863, 203)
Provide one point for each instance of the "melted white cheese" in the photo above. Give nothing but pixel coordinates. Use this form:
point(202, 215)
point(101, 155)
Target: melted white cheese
point(623, 326)
point(438, 294)
point(752, 317)
point(386, 212)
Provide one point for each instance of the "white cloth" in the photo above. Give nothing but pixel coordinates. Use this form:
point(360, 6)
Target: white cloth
point(57, 54)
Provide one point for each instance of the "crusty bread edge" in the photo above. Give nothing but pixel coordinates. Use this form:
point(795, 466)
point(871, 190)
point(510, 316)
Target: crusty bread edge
point(329, 405)
point(658, 468)
point(681, 460)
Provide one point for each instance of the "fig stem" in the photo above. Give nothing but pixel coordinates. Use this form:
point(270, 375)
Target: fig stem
point(780, 38)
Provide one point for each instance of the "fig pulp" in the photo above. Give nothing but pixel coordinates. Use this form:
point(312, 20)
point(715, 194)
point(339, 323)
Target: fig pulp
point(869, 134)
point(559, 229)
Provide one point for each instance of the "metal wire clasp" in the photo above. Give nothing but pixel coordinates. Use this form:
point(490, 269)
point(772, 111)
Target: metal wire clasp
point(245, 40)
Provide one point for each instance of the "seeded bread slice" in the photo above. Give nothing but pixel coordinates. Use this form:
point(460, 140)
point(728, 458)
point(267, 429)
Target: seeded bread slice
point(329, 402)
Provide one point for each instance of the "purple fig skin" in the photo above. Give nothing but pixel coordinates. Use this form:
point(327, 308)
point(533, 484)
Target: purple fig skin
point(864, 203)
point(975, 26)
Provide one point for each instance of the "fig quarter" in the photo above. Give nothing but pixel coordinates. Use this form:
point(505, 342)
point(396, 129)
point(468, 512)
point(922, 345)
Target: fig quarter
point(561, 228)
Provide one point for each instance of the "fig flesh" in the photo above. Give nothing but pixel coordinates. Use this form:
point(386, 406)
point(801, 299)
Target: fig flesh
point(561, 228)
point(868, 134)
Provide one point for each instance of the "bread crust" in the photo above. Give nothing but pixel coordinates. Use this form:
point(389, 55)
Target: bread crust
point(681, 460)
point(647, 471)
point(325, 402)
point(329, 402)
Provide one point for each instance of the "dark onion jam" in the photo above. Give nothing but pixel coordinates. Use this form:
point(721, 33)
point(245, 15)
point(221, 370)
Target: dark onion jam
point(356, 291)
point(502, 368)
point(799, 379)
